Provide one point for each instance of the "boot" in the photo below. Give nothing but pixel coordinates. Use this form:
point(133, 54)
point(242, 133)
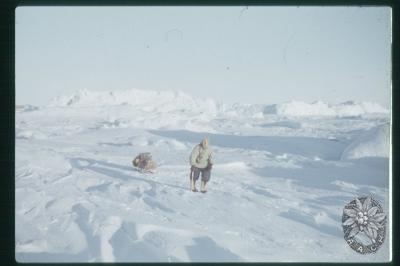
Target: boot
point(203, 188)
point(193, 185)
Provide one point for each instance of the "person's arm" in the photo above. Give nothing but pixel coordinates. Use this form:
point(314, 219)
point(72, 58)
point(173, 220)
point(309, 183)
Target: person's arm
point(193, 155)
point(210, 160)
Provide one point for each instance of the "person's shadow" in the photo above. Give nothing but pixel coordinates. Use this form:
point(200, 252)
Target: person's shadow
point(113, 170)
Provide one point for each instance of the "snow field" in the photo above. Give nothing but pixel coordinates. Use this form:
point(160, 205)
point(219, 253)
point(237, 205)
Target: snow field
point(277, 189)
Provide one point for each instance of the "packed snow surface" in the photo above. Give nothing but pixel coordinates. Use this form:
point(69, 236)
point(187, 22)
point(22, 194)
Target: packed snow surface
point(282, 175)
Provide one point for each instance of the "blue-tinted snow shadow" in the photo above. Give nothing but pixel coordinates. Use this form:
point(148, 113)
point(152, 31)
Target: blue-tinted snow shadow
point(128, 247)
point(82, 220)
point(35, 257)
point(91, 253)
point(206, 250)
point(308, 220)
point(112, 170)
point(102, 187)
point(372, 171)
point(115, 144)
point(305, 146)
point(285, 124)
point(261, 191)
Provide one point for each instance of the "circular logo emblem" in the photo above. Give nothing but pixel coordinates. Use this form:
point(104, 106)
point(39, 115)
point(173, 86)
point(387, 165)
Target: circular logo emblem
point(364, 225)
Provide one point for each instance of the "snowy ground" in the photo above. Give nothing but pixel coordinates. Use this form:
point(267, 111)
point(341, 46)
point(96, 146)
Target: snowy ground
point(283, 174)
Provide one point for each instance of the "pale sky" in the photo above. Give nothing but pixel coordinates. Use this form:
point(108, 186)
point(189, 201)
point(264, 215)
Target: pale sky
point(235, 54)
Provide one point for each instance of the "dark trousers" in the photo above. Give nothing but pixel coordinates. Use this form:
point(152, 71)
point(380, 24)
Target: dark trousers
point(205, 174)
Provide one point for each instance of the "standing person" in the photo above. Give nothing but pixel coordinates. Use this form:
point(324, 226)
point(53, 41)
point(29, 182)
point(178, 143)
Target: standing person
point(201, 161)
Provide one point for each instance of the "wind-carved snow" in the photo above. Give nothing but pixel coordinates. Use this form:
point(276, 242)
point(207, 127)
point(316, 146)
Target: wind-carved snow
point(282, 175)
point(371, 143)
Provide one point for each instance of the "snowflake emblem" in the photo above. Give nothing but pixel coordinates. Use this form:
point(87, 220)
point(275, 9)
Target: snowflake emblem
point(364, 216)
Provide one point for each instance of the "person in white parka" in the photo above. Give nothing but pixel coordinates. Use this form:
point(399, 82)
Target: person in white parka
point(201, 161)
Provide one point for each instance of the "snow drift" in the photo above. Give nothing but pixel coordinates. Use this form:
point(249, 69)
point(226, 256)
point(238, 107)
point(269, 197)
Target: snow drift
point(371, 143)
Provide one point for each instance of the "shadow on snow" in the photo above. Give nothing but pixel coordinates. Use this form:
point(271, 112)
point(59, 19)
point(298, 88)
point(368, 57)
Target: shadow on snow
point(372, 171)
point(305, 146)
point(113, 170)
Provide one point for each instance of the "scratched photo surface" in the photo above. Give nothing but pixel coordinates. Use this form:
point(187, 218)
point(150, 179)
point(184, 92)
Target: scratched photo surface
point(203, 134)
